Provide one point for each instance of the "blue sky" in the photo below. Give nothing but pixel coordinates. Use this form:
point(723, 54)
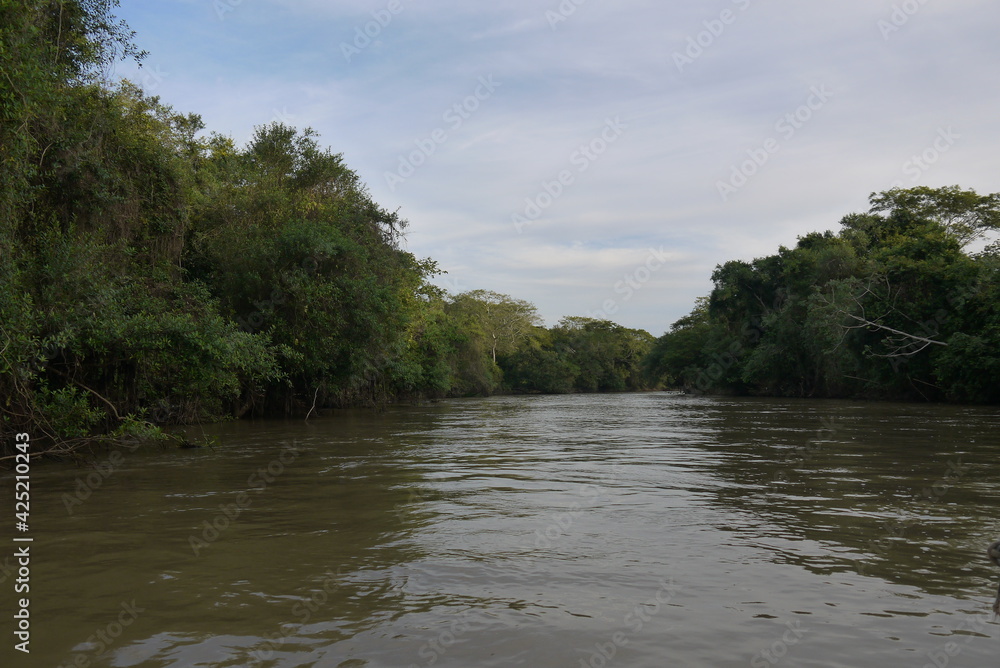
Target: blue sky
point(600, 158)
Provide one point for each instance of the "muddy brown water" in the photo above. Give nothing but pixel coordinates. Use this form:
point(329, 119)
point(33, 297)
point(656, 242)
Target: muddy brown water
point(572, 531)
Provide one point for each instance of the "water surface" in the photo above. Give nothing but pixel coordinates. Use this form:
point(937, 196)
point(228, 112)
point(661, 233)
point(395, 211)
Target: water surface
point(616, 530)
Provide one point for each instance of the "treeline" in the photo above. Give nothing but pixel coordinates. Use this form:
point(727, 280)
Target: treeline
point(894, 306)
point(153, 274)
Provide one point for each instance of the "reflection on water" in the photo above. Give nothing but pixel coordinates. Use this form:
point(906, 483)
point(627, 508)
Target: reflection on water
point(631, 530)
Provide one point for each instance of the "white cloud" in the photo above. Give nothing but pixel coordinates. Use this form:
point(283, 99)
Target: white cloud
point(657, 184)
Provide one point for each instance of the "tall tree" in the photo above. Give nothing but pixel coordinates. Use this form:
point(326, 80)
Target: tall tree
point(503, 319)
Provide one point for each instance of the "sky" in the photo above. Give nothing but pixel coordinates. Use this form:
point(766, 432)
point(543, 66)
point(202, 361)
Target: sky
point(599, 158)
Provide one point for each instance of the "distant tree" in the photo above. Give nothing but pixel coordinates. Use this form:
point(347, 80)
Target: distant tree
point(504, 320)
point(608, 356)
point(538, 366)
point(578, 355)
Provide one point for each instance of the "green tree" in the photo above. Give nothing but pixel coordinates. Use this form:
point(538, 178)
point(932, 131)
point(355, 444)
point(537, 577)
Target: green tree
point(608, 355)
point(891, 307)
point(291, 244)
point(580, 354)
point(504, 320)
point(966, 215)
point(539, 365)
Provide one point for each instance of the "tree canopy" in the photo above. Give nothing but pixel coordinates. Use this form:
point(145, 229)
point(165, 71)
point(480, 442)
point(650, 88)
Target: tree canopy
point(153, 273)
point(893, 306)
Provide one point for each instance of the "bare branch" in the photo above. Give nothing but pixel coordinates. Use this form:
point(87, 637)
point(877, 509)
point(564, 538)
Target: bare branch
point(874, 325)
point(900, 343)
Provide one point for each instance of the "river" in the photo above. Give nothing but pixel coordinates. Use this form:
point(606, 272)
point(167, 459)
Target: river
point(567, 531)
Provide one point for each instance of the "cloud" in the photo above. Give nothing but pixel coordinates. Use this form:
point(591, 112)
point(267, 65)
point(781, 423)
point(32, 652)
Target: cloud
point(561, 82)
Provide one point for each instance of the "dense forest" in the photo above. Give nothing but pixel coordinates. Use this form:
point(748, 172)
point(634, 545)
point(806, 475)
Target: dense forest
point(153, 273)
point(894, 306)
